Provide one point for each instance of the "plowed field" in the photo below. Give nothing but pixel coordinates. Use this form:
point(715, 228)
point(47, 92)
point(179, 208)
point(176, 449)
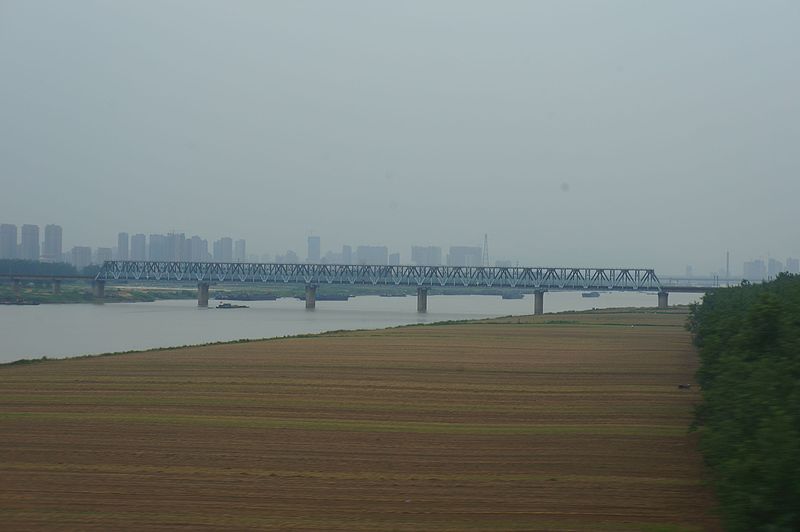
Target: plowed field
point(558, 422)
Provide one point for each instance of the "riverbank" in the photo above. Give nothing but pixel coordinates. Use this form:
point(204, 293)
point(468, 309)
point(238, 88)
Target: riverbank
point(570, 421)
point(79, 292)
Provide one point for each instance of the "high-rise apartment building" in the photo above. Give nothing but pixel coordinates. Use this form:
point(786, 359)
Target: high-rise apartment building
point(774, 267)
point(755, 270)
point(331, 257)
point(138, 247)
point(102, 255)
point(52, 243)
point(157, 247)
point(8, 241)
point(186, 249)
point(394, 259)
point(314, 249)
point(198, 249)
point(792, 265)
point(81, 257)
point(377, 255)
point(426, 255)
point(122, 246)
point(239, 251)
point(175, 246)
point(347, 255)
point(465, 256)
point(223, 250)
point(29, 242)
point(289, 258)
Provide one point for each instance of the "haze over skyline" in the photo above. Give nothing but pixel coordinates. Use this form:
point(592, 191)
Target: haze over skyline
point(573, 133)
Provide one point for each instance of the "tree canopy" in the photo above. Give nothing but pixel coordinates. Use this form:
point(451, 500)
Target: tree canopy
point(749, 343)
point(35, 267)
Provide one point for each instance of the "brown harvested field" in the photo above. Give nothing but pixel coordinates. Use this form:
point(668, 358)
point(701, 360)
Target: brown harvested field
point(558, 422)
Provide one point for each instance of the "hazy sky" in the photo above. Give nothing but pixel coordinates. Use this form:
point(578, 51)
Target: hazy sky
point(585, 133)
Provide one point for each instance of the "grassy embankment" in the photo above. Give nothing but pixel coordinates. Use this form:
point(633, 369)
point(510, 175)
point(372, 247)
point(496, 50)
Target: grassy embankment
point(555, 422)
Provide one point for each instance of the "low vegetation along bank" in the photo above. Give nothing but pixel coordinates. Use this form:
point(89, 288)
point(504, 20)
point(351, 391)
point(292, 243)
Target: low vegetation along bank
point(749, 343)
point(570, 422)
point(81, 292)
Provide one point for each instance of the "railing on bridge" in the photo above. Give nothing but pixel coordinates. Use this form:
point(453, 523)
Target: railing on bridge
point(542, 278)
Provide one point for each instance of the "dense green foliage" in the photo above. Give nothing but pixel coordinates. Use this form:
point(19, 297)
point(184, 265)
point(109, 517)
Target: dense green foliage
point(749, 342)
point(34, 267)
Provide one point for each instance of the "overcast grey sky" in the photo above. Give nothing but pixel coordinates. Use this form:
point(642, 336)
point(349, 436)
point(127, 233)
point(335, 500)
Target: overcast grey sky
point(572, 132)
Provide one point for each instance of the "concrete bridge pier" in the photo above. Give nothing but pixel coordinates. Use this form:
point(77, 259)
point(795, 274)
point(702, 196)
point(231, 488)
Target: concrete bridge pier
point(538, 302)
point(17, 289)
point(57, 286)
point(422, 300)
point(99, 289)
point(663, 299)
point(311, 296)
point(202, 294)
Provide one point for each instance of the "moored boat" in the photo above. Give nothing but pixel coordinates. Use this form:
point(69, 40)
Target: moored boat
point(230, 305)
point(513, 295)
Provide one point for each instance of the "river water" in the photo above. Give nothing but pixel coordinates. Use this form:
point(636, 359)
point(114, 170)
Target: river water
point(59, 331)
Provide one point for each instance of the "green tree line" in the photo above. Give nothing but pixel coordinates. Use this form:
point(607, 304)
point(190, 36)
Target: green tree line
point(34, 267)
point(749, 344)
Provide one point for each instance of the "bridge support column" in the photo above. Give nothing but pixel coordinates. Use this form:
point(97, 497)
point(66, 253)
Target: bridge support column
point(57, 286)
point(663, 299)
point(99, 289)
point(17, 289)
point(311, 296)
point(538, 302)
point(422, 300)
point(202, 294)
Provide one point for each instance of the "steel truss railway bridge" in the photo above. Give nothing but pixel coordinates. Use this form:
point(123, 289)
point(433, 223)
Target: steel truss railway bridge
point(537, 279)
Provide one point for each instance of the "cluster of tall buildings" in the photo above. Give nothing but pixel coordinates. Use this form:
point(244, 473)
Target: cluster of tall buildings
point(361, 255)
point(380, 255)
point(759, 270)
point(26, 243)
point(173, 246)
point(177, 247)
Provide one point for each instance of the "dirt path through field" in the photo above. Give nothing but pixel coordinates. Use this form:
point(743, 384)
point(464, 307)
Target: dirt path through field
point(558, 422)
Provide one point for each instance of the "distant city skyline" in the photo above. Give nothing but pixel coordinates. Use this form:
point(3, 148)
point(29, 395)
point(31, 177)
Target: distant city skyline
point(176, 246)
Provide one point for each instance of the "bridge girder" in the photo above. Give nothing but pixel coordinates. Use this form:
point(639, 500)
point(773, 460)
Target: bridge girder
point(539, 278)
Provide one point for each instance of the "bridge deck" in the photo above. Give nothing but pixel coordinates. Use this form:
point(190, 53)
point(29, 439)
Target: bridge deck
point(604, 279)
point(617, 279)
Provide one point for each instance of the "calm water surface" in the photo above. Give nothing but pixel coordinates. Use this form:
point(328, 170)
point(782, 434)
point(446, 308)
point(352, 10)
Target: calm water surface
point(71, 330)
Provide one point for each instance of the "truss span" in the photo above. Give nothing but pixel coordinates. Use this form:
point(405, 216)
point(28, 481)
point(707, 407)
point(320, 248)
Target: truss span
point(542, 278)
